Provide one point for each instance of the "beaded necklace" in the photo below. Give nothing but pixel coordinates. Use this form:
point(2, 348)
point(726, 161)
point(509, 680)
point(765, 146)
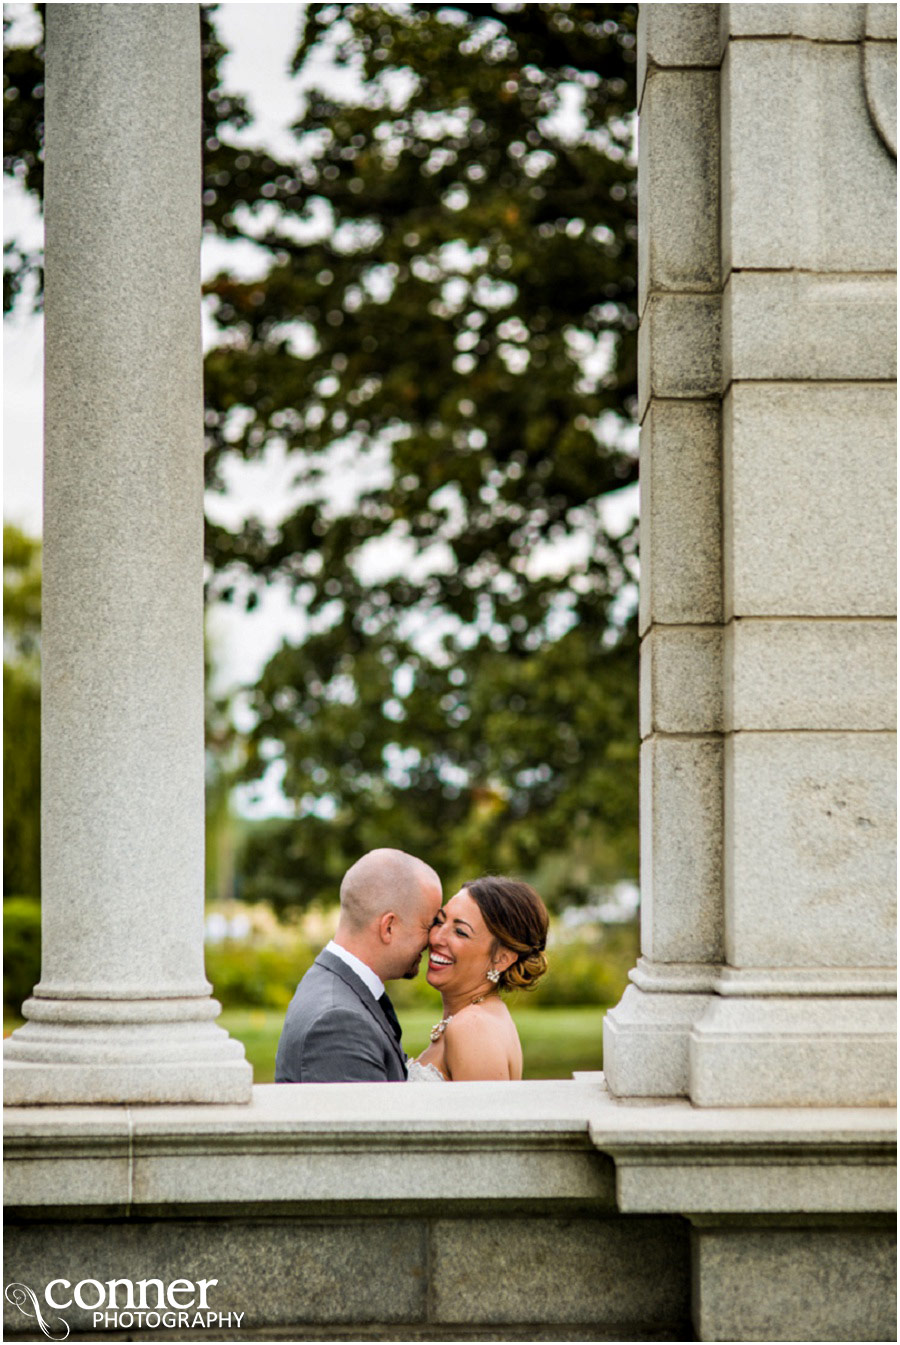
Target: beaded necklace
point(440, 1028)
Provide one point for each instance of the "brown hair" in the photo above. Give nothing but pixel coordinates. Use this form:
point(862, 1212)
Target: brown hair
point(517, 918)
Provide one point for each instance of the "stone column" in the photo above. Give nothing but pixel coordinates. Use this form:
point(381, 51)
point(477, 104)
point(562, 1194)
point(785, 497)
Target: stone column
point(123, 1012)
point(805, 1009)
point(645, 1038)
point(767, 195)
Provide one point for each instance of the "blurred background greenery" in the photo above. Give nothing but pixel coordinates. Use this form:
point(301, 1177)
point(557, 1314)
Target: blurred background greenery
point(439, 338)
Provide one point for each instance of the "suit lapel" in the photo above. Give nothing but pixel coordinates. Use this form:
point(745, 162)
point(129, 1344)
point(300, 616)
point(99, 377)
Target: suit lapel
point(334, 964)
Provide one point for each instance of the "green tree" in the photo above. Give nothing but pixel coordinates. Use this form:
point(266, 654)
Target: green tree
point(21, 714)
point(444, 344)
point(21, 765)
point(23, 142)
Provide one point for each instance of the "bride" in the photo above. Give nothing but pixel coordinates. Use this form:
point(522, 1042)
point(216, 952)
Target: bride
point(488, 938)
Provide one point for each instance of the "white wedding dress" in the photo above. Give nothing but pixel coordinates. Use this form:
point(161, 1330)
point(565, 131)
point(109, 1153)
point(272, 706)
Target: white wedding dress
point(417, 1073)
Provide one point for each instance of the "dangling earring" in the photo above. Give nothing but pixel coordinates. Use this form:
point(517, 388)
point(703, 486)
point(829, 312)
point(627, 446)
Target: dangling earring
point(493, 975)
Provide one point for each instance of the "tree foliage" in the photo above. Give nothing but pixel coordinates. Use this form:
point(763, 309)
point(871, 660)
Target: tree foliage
point(443, 343)
point(21, 714)
point(23, 148)
point(449, 308)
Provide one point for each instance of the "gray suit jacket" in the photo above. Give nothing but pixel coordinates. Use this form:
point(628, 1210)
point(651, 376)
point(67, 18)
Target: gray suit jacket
point(335, 1032)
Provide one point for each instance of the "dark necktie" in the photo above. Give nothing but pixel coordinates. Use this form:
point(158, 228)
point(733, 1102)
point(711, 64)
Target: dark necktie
point(391, 1016)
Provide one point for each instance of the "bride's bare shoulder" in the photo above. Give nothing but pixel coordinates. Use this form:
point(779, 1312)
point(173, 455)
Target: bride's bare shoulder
point(479, 1041)
point(478, 1020)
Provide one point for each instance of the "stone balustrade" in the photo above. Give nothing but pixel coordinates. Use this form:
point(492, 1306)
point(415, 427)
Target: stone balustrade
point(532, 1211)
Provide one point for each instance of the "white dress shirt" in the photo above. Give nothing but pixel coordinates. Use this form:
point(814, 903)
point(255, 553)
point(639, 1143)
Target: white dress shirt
point(363, 971)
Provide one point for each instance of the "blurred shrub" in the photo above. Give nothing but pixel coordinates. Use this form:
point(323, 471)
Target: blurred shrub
point(585, 967)
point(264, 975)
point(21, 949)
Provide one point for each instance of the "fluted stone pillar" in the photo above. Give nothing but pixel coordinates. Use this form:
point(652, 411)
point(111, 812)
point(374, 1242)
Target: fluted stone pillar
point(123, 1010)
point(768, 335)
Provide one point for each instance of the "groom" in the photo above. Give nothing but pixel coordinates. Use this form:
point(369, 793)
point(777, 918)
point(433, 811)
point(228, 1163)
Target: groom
point(340, 1026)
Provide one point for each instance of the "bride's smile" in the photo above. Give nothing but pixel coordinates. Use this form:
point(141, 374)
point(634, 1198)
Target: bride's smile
point(462, 951)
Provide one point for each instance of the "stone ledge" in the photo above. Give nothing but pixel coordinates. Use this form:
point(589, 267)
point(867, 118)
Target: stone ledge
point(743, 1187)
point(548, 1140)
point(747, 1178)
point(333, 1110)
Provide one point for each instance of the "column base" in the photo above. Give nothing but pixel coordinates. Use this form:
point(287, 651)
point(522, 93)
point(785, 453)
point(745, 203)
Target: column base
point(770, 1037)
point(794, 1051)
point(123, 1051)
point(645, 1040)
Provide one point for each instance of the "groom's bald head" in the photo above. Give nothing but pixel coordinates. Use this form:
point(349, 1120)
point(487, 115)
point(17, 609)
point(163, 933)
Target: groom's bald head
point(385, 880)
point(388, 903)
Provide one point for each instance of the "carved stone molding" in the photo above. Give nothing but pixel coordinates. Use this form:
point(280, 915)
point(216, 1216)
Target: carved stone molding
point(880, 72)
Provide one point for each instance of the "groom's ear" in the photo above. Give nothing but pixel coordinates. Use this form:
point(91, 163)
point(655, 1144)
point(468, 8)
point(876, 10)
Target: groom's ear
point(386, 926)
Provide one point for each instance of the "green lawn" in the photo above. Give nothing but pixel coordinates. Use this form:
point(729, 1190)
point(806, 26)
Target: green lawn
point(555, 1041)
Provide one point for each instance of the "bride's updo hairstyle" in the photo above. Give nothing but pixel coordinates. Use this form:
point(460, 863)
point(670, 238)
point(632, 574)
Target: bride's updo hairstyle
point(517, 918)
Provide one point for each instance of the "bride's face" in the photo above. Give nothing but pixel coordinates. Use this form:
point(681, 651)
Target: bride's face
point(459, 946)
